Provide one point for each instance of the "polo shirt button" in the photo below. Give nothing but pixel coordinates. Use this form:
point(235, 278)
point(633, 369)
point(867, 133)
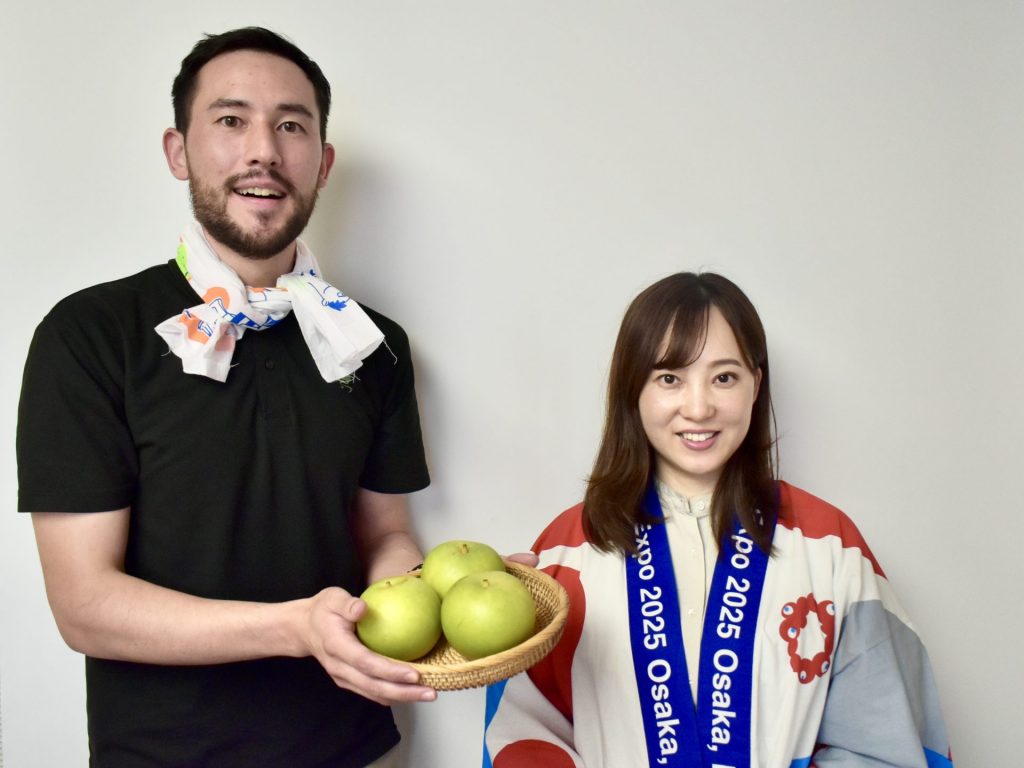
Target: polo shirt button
point(269, 364)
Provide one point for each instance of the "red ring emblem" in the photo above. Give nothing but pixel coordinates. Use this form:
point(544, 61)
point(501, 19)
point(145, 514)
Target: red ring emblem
point(794, 620)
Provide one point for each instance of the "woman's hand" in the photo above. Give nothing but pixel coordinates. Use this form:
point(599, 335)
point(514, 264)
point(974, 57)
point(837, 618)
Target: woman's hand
point(524, 558)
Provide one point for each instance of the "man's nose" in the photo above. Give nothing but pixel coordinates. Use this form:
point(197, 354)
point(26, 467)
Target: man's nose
point(262, 147)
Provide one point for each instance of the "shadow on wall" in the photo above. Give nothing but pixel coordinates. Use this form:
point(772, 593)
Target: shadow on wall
point(351, 229)
point(358, 234)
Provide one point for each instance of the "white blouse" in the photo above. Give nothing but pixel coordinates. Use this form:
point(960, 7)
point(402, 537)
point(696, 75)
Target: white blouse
point(694, 553)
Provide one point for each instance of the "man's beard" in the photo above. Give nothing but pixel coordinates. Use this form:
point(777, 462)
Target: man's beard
point(210, 209)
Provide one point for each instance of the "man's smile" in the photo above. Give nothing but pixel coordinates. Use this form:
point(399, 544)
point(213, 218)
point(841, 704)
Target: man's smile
point(259, 192)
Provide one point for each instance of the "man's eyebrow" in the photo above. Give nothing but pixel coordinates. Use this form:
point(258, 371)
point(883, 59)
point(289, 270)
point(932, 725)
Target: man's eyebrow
point(223, 103)
point(300, 109)
point(288, 107)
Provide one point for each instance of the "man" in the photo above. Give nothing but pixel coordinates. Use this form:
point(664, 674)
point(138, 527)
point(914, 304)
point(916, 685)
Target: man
point(214, 477)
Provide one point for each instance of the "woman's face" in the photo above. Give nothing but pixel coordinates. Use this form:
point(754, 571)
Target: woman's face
point(696, 417)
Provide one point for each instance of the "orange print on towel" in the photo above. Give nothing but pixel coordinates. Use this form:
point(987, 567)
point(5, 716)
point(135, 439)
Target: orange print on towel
point(200, 331)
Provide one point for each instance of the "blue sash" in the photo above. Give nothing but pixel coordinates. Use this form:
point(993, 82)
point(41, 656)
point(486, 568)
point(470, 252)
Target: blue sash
point(717, 733)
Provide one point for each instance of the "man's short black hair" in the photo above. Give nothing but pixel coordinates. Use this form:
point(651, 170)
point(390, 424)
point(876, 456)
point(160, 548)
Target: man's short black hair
point(244, 39)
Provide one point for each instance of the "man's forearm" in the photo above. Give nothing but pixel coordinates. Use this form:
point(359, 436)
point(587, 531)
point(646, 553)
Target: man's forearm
point(381, 530)
point(103, 612)
point(396, 553)
point(121, 617)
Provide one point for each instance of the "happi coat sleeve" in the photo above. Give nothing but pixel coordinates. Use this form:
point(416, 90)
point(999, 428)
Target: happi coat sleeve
point(882, 705)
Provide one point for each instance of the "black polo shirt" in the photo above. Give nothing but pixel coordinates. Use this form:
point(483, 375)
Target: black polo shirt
point(238, 490)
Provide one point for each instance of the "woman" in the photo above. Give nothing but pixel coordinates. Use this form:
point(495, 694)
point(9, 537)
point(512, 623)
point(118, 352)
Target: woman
point(796, 651)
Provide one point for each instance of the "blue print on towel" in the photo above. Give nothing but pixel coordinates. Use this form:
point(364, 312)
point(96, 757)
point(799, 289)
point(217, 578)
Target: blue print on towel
point(237, 318)
point(330, 296)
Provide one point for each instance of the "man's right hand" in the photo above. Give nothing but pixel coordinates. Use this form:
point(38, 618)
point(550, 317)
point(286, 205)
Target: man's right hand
point(330, 636)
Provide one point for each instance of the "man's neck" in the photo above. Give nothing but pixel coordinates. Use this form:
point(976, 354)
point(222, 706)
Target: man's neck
point(258, 273)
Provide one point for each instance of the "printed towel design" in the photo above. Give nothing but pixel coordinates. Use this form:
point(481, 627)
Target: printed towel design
point(337, 331)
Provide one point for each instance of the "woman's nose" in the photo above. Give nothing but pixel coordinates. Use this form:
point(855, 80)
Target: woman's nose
point(696, 403)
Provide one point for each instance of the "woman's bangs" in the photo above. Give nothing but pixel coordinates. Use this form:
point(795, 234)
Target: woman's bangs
point(687, 333)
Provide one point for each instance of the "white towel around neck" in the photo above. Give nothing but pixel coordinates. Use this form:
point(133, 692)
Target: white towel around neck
point(337, 331)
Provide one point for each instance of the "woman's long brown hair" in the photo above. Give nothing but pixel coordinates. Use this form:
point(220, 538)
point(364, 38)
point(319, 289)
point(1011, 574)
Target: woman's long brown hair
point(679, 305)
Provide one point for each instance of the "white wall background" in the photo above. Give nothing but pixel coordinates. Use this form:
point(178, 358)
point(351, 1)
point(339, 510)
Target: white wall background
point(510, 175)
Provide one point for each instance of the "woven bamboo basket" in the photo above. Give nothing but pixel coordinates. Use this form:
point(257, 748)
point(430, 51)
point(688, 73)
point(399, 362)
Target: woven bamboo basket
point(446, 669)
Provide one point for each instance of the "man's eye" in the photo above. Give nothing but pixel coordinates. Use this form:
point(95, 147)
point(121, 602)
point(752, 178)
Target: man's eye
point(230, 121)
point(291, 127)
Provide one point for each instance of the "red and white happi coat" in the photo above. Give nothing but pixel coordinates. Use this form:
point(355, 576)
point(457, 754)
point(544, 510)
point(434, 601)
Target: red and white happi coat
point(846, 686)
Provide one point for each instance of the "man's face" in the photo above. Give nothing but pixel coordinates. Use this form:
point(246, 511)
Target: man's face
point(252, 153)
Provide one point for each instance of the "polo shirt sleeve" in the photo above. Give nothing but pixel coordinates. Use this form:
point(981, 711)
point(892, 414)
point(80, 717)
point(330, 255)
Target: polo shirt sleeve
point(396, 462)
point(74, 449)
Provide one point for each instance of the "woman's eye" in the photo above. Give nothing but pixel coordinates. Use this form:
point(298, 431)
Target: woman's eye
point(668, 378)
point(725, 378)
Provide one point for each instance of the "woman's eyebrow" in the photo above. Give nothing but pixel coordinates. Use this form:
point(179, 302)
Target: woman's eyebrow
point(661, 365)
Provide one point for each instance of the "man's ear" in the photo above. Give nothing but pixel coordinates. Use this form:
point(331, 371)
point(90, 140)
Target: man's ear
point(174, 151)
point(326, 163)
